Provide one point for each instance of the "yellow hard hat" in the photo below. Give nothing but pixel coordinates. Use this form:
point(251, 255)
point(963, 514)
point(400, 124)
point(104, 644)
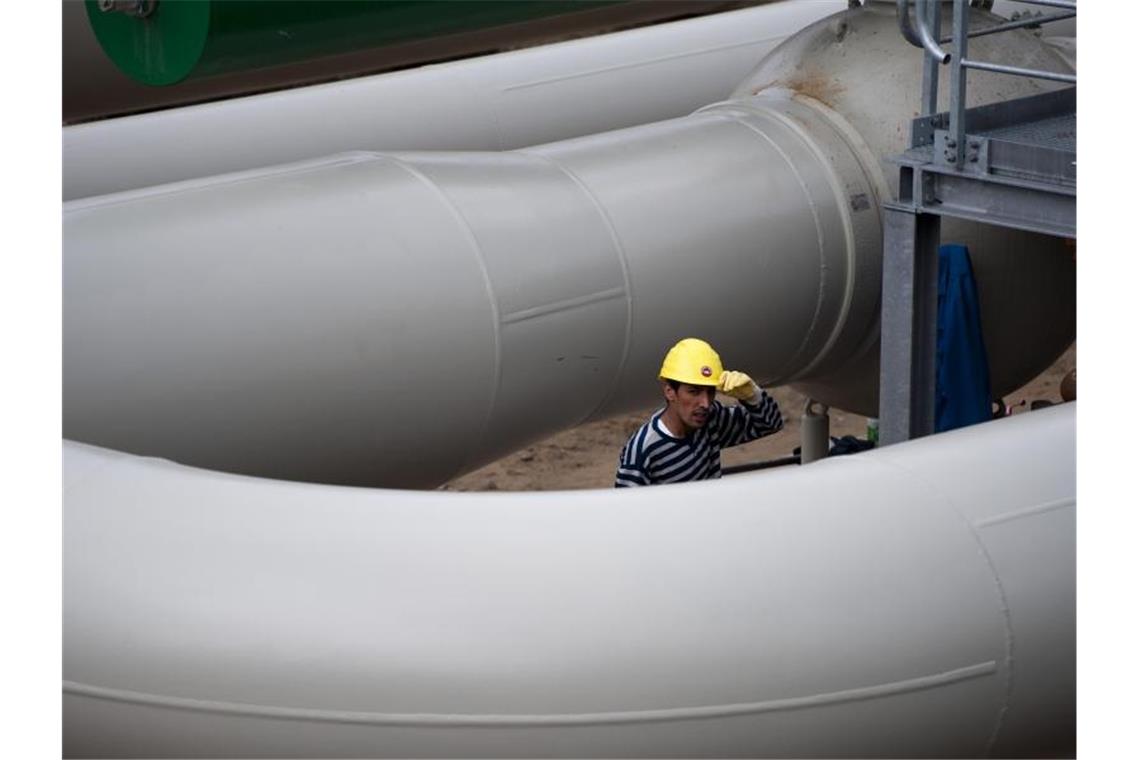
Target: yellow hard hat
point(692, 361)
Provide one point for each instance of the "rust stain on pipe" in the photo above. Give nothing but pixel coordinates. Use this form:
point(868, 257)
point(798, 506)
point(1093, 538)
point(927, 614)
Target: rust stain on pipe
point(813, 84)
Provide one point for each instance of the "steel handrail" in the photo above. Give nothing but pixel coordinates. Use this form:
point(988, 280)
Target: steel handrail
point(922, 38)
point(905, 27)
point(1066, 4)
point(919, 33)
point(1032, 21)
point(923, 11)
point(1016, 71)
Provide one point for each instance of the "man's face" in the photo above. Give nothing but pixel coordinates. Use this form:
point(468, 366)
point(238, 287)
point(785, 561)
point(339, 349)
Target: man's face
point(692, 402)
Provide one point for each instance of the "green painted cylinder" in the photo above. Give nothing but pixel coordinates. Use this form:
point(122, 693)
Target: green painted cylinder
point(190, 39)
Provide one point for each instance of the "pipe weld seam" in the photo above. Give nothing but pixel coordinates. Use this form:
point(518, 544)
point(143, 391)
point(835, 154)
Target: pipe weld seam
point(741, 114)
point(1033, 511)
point(468, 233)
point(505, 721)
point(638, 64)
point(211, 182)
point(623, 262)
point(826, 120)
point(563, 305)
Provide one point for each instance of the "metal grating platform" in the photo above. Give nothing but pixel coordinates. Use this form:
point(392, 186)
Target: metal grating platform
point(1019, 165)
point(1055, 133)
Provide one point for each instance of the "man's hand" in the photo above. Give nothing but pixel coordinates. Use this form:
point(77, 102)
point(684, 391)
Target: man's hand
point(739, 386)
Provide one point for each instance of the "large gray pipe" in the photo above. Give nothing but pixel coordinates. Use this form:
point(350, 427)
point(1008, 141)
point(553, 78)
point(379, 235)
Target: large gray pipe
point(494, 102)
point(296, 323)
point(916, 601)
point(398, 319)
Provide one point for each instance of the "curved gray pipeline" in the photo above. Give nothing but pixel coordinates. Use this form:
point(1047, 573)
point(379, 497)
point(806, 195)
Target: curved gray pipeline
point(495, 102)
point(914, 601)
point(325, 321)
point(369, 317)
point(397, 319)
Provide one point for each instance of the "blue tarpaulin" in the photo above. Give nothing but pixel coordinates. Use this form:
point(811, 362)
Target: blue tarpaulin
point(962, 387)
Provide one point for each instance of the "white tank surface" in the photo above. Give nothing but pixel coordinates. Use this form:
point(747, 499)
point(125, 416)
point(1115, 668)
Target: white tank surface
point(914, 601)
point(399, 319)
point(495, 102)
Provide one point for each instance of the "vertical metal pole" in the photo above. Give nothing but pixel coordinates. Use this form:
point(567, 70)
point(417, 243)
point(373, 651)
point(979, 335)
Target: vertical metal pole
point(815, 433)
point(909, 325)
point(958, 82)
point(930, 65)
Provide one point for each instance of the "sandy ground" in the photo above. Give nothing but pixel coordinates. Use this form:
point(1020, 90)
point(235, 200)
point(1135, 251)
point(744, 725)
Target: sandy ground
point(586, 456)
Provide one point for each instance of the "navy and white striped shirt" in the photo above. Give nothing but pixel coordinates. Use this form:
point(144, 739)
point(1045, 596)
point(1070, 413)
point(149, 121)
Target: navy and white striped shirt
point(652, 455)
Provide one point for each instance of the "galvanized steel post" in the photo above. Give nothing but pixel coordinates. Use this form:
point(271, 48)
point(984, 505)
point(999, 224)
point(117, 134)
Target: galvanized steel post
point(909, 324)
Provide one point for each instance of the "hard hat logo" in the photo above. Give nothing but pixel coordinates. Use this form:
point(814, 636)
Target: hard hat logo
point(692, 361)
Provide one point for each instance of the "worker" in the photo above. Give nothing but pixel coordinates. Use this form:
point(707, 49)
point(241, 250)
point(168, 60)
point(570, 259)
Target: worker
point(682, 441)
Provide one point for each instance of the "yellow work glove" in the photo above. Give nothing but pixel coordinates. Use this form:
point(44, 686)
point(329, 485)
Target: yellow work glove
point(739, 386)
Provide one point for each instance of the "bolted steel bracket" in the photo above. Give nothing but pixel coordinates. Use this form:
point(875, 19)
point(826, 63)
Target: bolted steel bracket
point(922, 129)
point(972, 156)
point(947, 152)
point(977, 155)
